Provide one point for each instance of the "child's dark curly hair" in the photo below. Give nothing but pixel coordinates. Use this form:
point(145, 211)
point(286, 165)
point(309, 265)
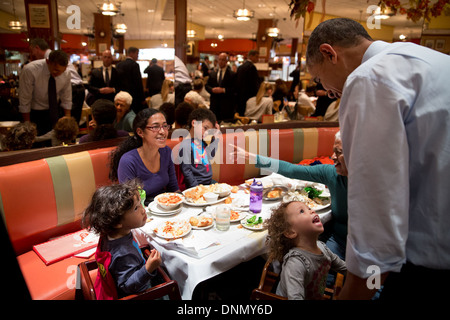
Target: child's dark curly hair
point(108, 205)
point(277, 225)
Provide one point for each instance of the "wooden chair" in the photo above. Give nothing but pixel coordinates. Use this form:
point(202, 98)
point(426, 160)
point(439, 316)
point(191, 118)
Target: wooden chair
point(267, 285)
point(269, 281)
point(167, 287)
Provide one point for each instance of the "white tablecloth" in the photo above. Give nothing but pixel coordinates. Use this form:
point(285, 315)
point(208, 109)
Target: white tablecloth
point(202, 254)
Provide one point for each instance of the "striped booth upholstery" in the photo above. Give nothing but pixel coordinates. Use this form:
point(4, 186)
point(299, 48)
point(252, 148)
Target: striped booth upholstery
point(291, 145)
point(43, 199)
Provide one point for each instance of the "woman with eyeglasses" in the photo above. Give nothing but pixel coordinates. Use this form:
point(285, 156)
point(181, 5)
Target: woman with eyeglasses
point(146, 156)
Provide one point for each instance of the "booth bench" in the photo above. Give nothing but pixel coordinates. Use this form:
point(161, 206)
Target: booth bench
point(45, 198)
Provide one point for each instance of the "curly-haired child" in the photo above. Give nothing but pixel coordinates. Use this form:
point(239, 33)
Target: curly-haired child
point(294, 231)
point(113, 212)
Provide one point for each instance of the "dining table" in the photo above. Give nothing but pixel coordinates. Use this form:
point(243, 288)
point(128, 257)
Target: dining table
point(203, 253)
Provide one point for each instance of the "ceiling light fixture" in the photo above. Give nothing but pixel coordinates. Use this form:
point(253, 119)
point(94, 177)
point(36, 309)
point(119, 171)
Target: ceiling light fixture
point(385, 14)
point(273, 32)
point(109, 9)
point(191, 32)
point(243, 14)
point(15, 24)
point(120, 28)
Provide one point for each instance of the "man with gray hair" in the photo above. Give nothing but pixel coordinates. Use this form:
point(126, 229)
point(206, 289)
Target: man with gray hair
point(395, 127)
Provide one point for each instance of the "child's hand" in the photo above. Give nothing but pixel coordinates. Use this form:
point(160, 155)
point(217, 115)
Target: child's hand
point(153, 261)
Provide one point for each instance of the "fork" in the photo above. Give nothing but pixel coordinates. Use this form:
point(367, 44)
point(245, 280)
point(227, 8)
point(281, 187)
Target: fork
point(203, 211)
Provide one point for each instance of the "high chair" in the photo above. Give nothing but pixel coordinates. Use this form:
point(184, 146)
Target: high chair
point(269, 281)
point(167, 287)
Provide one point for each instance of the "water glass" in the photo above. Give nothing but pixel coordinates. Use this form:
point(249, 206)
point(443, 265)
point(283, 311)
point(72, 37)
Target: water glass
point(223, 218)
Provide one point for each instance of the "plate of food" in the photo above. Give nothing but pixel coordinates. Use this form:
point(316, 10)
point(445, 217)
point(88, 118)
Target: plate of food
point(310, 195)
point(253, 222)
point(195, 196)
point(235, 216)
point(155, 209)
point(169, 200)
point(172, 229)
point(202, 222)
point(275, 193)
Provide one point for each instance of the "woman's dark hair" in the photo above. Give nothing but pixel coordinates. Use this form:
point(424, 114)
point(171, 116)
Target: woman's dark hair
point(133, 142)
point(201, 114)
point(104, 112)
point(108, 205)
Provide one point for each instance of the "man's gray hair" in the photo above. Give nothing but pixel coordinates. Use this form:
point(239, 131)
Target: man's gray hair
point(337, 136)
point(342, 32)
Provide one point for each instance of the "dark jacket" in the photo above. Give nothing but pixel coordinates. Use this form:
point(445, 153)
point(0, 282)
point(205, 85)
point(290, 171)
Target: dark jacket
point(131, 82)
point(155, 78)
point(97, 82)
point(222, 104)
point(247, 84)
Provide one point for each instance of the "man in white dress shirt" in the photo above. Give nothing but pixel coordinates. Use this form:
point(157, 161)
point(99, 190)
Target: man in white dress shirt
point(39, 49)
point(395, 125)
point(34, 95)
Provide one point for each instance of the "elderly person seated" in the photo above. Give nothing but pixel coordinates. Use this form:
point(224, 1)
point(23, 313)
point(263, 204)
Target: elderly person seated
point(125, 116)
point(261, 104)
point(194, 96)
point(167, 95)
point(333, 176)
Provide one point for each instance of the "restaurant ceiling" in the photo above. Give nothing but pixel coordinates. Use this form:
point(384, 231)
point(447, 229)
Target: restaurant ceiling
point(153, 19)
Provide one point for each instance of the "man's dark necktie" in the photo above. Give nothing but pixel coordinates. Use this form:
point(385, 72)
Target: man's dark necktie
point(220, 77)
point(107, 77)
point(52, 100)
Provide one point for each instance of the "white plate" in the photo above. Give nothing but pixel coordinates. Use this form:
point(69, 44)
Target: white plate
point(241, 216)
point(182, 225)
point(203, 228)
point(200, 204)
point(155, 209)
point(258, 227)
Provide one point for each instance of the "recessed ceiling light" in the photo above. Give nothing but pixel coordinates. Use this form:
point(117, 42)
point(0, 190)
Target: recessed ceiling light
point(150, 10)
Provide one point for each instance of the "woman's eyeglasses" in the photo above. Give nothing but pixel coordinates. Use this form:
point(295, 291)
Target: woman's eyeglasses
point(157, 128)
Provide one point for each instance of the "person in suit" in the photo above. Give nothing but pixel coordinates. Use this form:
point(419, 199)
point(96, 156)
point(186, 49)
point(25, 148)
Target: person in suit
point(131, 79)
point(155, 78)
point(104, 81)
point(221, 87)
point(247, 81)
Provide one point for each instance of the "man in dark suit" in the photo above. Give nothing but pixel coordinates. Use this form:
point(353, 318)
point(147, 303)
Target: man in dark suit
point(131, 79)
point(247, 81)
point(221, 87)
point(155, 77)
point(104, 81)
